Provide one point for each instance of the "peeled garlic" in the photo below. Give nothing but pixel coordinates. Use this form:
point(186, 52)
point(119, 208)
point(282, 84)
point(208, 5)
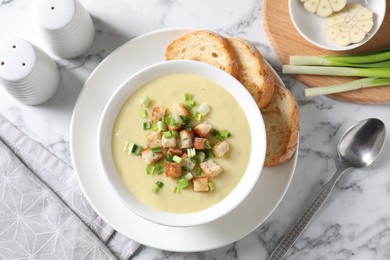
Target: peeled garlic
point(350, 25)
point(324, 7)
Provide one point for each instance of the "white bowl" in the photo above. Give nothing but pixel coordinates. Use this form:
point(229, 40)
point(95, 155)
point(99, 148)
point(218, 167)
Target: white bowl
point(312, 27)
point(230, 84)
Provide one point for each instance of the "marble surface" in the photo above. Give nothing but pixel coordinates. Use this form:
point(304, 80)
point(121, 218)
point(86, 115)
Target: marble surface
point(353, 224)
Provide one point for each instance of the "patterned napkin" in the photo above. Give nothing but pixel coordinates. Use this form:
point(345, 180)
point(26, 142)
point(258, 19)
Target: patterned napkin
point(43, 213)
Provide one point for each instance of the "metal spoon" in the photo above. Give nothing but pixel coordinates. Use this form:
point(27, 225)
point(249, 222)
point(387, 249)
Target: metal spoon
point(357, 148)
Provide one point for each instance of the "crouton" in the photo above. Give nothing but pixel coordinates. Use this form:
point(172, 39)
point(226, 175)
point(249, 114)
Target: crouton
point(186, 161)
point(172, 169)
point(175, 151)
point(186, 137)
point(149, 157)
point(202, 129)
point(170, 142)
point(210, 168)
point(200, 184)
point(200, 143)
point(176, 127)
point(221, 148)
point(178, 109)
point(153, 139)
point(158, 114)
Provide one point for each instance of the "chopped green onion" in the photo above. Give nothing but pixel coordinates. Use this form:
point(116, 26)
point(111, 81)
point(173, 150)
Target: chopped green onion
point(147, 125)
point(177, 159)
point(220, 136)
point(204, 109)
point(188, 97)
point(191, 152)
point(144, 113)
point(198, 171)
point(209, 153)
point(190, 104)
point(145, 101)
point(183, 183)
point(196, 115)
point(211, 186)
point(188, 176)
point(185, 120)
point(157, 186)
point(225, 133)
point(161, 126)
point(156, 150)
point(169, 134)
point(150, 169)
point(353, 85)
point(176, 189)
point(159, 168)
point(169, 157)
point(136, 149)
point(128, 147)
point(200, 156)
point(215, 133)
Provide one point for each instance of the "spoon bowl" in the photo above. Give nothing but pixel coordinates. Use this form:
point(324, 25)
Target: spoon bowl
point(358, 147)
point(362, 143)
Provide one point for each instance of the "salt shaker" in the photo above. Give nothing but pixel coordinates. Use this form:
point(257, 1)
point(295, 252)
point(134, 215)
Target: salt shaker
point(27, 72)
point(64, 25)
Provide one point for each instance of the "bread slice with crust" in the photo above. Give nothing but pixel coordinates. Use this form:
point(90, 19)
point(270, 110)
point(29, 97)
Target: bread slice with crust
point(282, 126)
point(205, 46)
point(253, 73)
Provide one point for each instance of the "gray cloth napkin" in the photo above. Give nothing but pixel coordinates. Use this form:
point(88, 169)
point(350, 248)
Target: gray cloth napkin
point(43, 213)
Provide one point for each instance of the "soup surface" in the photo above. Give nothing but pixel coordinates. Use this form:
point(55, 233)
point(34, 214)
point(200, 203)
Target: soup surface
point(225, 114)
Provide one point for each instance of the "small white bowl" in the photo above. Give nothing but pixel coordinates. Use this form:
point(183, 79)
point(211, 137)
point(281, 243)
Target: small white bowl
point(243, 98)
point(312, 27)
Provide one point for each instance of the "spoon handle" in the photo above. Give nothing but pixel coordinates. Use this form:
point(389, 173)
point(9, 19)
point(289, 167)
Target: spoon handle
point(295, 231)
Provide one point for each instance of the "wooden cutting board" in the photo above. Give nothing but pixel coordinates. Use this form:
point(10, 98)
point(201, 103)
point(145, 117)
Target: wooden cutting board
point(286, 41)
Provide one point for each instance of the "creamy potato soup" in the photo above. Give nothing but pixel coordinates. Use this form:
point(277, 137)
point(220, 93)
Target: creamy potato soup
point(225, 114)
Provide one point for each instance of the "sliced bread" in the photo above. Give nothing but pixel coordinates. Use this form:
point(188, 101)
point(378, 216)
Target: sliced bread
point(282, 126)
point(205, 46)
point(253, 73)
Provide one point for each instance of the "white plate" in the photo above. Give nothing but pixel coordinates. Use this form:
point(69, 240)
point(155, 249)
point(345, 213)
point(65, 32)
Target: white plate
point(312, 27)
point(111, 72)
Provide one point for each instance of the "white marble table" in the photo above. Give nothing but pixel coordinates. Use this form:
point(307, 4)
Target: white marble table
point(354, 224)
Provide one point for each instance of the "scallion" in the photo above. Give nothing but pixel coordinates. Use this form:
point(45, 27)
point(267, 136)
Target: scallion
point(145, 101)
point(336, 60)
point(147, 125)
point(204, 109)
point(211, 186)
point(144, 113)
point(156, 150)
point(196, 115)
point(183, 183)
point(128, 147)
point(200, 156)
point(337, 71)
point(188, 176)
point(187, 97)
point(353, 85)
point(150, 169)
point(198, 172)
point(177, 159)
point(136, 149)
point(169, 157)
point(161, 126)
point(157, 186)
point(159, 168)
point(191, 152)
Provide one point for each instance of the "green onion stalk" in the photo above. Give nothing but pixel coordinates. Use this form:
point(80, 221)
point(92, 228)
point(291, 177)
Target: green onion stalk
point(353, 85)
